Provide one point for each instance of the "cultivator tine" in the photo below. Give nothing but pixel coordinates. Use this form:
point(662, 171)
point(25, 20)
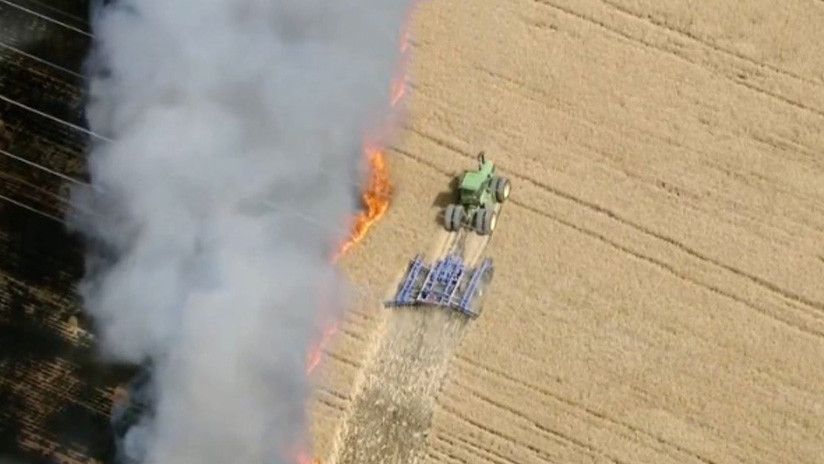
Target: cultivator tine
point(405, 292)
point(447, 283)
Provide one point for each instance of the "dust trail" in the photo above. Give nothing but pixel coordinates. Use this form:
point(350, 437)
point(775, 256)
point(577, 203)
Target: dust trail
point(236, 128)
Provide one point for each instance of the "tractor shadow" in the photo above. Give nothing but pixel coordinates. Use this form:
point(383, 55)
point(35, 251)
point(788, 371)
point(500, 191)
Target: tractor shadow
point(445, 198)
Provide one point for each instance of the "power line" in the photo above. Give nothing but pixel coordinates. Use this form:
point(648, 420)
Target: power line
point(360, 289)
point(337, 230)
point(67, 14)
point(47, 18)
point(42, 168)
point(41, 60)
point(32, 209)
point(53, 118)
point(358, 185)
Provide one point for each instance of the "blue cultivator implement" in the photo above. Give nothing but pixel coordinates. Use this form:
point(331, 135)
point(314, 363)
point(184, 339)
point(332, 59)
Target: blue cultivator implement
point(448, 282)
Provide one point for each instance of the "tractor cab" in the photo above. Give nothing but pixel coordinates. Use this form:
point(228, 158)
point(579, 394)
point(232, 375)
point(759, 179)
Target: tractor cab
point(478, 192)
point(473, 189)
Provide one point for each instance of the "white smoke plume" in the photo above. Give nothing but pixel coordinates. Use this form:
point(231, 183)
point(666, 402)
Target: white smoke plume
point(231, 171)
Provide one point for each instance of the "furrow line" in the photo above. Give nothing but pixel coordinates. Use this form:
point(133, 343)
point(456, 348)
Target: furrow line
point(652, 46)
point(460, 416)
point(658, 23)
point(672, 271)
point(557, 435)
point(660, 264)
point(629, 429)
point(342, 359)
point(473, 449)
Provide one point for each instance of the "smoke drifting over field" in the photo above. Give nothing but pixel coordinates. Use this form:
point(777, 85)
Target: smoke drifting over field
point(236, 130)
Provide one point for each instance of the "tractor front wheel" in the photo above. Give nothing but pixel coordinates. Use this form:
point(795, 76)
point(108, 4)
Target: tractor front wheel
point(501, 187)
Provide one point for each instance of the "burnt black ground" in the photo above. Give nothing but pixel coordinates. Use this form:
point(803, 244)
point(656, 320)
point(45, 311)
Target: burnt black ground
point(54, 395)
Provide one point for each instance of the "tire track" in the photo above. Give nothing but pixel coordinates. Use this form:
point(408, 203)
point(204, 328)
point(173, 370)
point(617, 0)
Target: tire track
point(624, 429)
point(342, 359)
point(361, 381)
point(443, 457)
point(686, 34)
point(504, 437)
point(742, 210)
point(555, 434)
point(715, 70)
point(391, 402)
point(440, 142)
point(800, 299)
point(618, 131)
point(351, 333)
point(332, 398)
point(322, 400)
point(674, 272)
point(558, 106)
point(404, 375)
point(471, 448)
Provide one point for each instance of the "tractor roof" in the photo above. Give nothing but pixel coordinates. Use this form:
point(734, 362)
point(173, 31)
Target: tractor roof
point(473, 180)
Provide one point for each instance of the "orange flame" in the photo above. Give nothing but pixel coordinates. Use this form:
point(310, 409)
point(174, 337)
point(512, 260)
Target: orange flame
point(316, 353)
point(304, 459)
point(375, 198)
point(376, 201)
point(398, 90)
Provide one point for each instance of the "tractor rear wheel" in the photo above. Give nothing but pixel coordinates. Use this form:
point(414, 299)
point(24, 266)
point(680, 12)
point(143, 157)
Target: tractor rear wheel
point(501, 187)
point(485, 221)
point(448, 215)
point(478, 220)
point(458, 217)
point(490, 221)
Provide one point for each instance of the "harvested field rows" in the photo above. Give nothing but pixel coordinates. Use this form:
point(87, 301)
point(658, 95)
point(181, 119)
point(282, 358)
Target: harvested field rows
point(656, 296)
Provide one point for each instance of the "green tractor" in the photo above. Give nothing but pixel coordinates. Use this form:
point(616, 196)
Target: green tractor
point(478, 193)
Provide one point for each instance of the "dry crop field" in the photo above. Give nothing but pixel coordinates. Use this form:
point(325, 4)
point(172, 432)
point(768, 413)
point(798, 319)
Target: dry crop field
point(656, 296)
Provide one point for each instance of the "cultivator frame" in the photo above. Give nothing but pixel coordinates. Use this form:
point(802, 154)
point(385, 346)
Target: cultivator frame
point(448, 282)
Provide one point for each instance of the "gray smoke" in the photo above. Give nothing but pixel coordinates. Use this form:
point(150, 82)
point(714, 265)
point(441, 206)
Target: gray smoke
point(236, 130)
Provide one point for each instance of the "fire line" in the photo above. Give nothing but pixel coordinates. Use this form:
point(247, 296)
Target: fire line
point(375, 201)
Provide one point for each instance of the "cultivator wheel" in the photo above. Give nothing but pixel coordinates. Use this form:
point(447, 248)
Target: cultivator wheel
point(501, 188)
